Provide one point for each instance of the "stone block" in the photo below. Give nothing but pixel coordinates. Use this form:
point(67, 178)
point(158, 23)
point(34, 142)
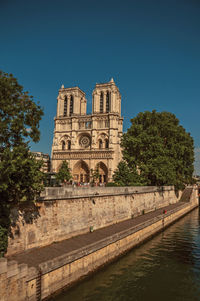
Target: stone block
point(12, 268)
point(3, 265)
point(23, 270)
point(31, 237)
point(32, 273)
point(31, 290)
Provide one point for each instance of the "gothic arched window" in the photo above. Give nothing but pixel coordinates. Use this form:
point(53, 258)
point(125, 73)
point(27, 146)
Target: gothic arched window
point(101, 102)
point(65, 106)
point(106, 143)
point(71, 109)
point(100, 143)
point(69, 145)
point(63, 145)
point(107, 102)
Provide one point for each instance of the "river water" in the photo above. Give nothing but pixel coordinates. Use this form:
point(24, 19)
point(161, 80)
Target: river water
point(166, 268)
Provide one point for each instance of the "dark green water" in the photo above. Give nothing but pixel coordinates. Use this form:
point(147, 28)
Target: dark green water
point(163, 269)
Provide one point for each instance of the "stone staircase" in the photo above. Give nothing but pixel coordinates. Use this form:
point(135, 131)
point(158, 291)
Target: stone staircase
point(186, 195)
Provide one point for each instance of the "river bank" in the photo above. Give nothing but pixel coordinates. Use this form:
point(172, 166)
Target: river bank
point(166, 267)
point(48, 269)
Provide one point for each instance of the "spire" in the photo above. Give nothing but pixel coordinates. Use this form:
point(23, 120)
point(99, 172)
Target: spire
point(112, 80)
point(62, 87)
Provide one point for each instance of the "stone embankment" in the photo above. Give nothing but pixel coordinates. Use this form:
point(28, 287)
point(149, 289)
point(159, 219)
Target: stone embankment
point(38, 273)
point(63, 213)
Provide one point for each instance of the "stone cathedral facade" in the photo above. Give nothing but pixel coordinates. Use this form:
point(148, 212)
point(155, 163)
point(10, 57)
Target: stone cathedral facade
point(88, 141)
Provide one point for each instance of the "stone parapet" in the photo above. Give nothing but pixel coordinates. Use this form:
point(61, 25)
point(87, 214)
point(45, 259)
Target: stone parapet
point(70, 191)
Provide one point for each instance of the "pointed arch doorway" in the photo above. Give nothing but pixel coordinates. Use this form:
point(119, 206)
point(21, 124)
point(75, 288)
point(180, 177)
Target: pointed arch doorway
point(81, 173)
point(103, 172)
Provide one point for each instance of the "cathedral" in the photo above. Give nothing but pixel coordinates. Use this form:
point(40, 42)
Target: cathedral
point(85, 141)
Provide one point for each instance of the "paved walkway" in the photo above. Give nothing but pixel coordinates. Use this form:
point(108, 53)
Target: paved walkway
point(39, 255)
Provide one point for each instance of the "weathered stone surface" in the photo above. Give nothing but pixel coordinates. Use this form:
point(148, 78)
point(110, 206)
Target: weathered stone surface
point(12, 280)
point(19, 283)
point(31, 237)
point(22, 270)
point(12, 268)
point(67, 212)
point(3, 265)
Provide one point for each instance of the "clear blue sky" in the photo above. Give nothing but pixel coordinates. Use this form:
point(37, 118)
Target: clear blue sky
point(150, 48)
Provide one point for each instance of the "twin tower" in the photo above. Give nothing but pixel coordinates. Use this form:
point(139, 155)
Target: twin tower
point(88, 141)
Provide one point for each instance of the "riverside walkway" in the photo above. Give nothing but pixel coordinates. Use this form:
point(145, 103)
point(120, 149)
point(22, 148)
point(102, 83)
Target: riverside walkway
point(36, 256)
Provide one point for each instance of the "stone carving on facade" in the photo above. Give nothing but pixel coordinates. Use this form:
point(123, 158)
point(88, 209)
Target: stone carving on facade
point(84, 155)
point(84, 141)
point(64, 138)
point(62, 122)
point(55, 141)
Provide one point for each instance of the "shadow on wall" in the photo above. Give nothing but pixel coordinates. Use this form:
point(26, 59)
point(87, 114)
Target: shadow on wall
point(27, 212)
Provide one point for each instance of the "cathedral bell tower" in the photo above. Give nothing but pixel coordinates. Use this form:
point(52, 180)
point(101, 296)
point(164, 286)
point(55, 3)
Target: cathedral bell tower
point(106, 99)
point(71, 101)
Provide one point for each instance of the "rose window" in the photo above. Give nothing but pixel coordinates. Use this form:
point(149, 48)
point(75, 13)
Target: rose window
point(84, 141)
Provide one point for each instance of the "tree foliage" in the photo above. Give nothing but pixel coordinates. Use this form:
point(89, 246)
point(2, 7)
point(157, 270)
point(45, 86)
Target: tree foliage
point(95, 174)
point(160, 149)
point(125, 176)
point(20, 176)
point(64, 173)
point(19, 114)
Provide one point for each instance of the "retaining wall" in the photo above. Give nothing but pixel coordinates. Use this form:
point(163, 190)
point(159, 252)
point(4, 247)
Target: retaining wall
point(20, 283)
point(63, 213)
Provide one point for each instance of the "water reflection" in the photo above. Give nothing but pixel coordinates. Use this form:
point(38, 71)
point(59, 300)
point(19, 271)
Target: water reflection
point(165, 268)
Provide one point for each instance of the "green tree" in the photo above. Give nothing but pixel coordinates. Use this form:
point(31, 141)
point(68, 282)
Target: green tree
point(125, 176)
point(160, 148)
point(19, 115)
point(64, 173)
point(95, 174)
point(20, 176)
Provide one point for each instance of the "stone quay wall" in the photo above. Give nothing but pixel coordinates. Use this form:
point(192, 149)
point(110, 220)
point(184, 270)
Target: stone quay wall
point(20, 283)
point(65, 212)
